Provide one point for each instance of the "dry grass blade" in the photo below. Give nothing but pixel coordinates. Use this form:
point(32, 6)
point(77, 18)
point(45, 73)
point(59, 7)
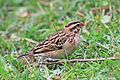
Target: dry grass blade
point(80, 60)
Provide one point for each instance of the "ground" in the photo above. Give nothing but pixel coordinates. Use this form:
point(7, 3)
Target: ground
point(25, 23)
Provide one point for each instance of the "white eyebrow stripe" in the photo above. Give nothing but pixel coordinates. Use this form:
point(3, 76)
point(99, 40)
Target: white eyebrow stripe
point(74, 25)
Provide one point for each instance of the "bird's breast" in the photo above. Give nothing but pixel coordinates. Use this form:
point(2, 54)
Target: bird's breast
point(72, 44)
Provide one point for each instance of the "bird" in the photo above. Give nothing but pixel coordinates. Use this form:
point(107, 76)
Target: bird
point(59, 45)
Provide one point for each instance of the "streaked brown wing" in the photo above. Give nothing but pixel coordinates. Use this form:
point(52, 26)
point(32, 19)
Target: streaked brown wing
point(51, 44)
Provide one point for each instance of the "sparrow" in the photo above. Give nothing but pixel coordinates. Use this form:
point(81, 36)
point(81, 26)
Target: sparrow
point(61, 44)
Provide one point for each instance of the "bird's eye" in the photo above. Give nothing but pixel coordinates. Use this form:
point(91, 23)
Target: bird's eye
point(75, 30)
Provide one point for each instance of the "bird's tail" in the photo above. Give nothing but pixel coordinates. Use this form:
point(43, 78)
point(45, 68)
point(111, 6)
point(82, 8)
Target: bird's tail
point(26, 58)
point(23, 55)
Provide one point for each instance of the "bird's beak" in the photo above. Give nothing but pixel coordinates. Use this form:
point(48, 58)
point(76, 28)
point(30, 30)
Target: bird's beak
point(81, 24)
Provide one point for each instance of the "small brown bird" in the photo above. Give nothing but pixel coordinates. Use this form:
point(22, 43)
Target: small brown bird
point(59, 45)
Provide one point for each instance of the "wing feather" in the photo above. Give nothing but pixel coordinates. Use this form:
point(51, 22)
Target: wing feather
point(51, 44)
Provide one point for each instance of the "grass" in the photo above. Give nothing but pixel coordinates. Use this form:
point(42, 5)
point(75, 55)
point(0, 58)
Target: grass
point(21, 20)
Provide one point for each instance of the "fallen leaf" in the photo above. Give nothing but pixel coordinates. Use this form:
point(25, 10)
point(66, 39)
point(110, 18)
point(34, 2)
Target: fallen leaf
point(118, 11)
point(22, 12)
point(81, 14)
point(99, 9)
point(106, 19)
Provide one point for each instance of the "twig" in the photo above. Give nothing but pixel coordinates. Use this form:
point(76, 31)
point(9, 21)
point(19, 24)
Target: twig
point(80, 60)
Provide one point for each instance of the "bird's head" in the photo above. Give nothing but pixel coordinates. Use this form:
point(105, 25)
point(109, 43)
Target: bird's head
point(74, 27)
